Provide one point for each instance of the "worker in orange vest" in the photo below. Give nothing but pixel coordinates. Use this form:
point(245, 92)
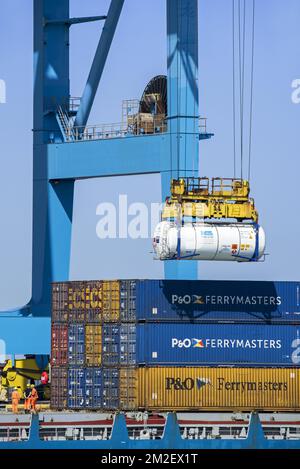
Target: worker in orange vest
point(15, 397)
point(34, 398)
point(27, 399)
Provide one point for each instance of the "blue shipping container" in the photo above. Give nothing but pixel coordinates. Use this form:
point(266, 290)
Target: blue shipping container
point(110, 385)
point(210, 301)
point(213, 344)
point(118, 344)
point(93, 388)
point(76, 388)
point(76, 344)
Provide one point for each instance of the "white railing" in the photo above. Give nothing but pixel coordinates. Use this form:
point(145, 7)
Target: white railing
point(202, 125)
point(121, 129)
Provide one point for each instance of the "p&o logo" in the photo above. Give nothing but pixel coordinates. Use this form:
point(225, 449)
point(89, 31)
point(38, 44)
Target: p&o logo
point(187, 343)
point(187, 384)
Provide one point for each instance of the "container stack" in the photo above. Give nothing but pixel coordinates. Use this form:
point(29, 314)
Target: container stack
point(93, 336)
point(175, 345)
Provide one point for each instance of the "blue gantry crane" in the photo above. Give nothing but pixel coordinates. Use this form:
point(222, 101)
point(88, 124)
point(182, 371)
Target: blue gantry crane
point(62, 154)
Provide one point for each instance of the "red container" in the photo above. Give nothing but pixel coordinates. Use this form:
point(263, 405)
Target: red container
point(59, 344)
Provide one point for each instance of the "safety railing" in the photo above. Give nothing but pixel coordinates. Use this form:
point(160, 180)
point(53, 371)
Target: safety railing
point(197, 185)
point(230, 187)
point(202, 125)
point(74, 103)
point(134, 126)
point(117, 130)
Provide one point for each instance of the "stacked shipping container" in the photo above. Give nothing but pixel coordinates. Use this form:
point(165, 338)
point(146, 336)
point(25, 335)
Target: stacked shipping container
point(163, 345)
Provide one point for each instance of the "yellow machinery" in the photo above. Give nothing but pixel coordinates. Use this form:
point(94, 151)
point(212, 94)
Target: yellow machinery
point(198, 198)
point(24, 370)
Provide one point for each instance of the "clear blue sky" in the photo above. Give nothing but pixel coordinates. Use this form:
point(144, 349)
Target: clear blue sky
point(138, 53)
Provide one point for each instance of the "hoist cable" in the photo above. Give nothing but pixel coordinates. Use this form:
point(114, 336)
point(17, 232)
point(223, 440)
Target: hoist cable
point(241, 52)
point(233, 88)
point(179, 28)
point(185, 111)
point(243, 86)
point(196, 116)
point(240, 68)
point(251, 90)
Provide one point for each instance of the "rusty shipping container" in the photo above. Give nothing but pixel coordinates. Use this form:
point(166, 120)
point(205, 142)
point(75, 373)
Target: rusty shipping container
point(77, 295)
point(59, 388)
point(227, 389)
point(59, 345)
point(91, 301)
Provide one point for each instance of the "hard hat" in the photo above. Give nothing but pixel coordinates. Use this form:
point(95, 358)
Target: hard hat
point(32, 385)
point(28, 385)
point(15, 388)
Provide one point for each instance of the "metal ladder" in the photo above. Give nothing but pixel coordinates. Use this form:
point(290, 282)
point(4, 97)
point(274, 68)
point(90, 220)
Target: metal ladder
point(64, 124)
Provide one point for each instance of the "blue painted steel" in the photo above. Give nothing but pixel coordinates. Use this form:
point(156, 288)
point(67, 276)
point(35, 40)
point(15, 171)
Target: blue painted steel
point(51, 89)
point(79, 20)
point(99, 62)
point(76, 388)
point(212, 345)
point(93, 388)
point(171, 439)
point(76, 344)
point(128, 300)
point(208, 300)
point(128, 342)
point(110, 386)
point(118, 344)
point(110, 344)
point(143, 154)
point(183, 112)
point(22, 335)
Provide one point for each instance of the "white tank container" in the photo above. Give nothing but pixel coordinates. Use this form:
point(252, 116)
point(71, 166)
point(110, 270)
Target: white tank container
point(209, 242)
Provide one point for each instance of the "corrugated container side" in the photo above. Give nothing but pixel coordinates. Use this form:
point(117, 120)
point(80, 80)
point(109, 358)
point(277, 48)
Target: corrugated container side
point(76, 388)
point(214, 344)
point(93, 388)
point(128, 399)
point(59, 344)
point(78, 295)
point(67, 295)
point(60, 316)
point(59, 296)
point(93, 315)
point(76, 315)
point(93, 344)
point(93, 295)
point(209, 301)
point(127, 345)
point(110, 344)
point(76, 344)
point(110, 387)
point(111, 301)
point(229, 389)
point(128, 300)
point(59, 388)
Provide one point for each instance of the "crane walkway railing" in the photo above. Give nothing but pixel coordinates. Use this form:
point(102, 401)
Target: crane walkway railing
point(115, 130)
